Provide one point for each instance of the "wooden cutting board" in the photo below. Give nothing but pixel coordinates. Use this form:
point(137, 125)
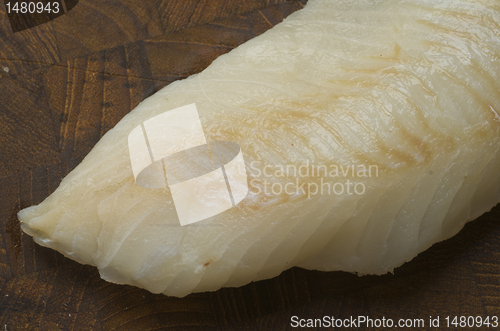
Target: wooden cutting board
point(65, 83)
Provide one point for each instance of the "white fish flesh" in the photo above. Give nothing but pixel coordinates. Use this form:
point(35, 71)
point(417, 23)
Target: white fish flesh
point(401, 98)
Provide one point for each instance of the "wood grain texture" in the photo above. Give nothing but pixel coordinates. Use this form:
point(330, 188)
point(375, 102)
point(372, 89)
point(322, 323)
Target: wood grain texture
point(66, 83)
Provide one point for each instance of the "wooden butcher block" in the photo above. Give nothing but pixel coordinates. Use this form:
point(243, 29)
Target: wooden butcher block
point(65, 83)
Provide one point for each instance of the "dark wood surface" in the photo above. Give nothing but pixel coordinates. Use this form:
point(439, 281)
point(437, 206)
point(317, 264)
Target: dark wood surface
point(65, 83)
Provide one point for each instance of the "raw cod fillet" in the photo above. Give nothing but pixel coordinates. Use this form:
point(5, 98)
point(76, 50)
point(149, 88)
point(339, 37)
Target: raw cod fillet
point(409, 87)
